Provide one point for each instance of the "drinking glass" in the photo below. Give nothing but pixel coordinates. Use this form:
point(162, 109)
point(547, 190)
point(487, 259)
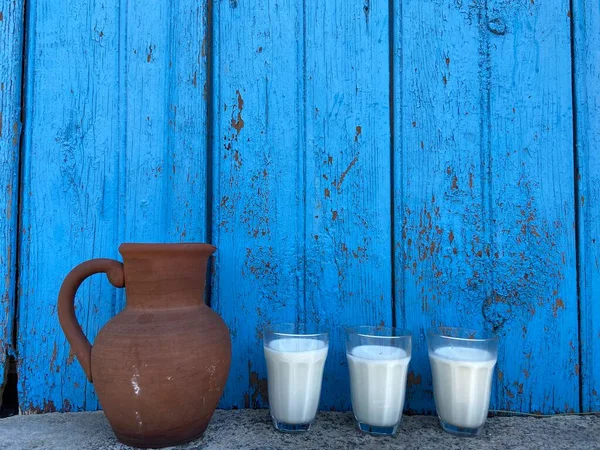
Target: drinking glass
point(295, 359)
point(462, 364)
point(378, 360)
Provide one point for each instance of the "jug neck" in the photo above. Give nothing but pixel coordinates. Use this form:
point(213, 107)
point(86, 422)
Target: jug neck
point(161, 276)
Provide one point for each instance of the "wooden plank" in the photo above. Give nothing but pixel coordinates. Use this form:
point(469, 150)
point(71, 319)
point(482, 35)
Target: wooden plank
point(70, 201)
point(258, 181)
point(115, 148)
point(485, 189)
point(165, 156)
point(348, 265)
point(586, 20)
point(11, 48)
point(534, 300)
point(442, 250)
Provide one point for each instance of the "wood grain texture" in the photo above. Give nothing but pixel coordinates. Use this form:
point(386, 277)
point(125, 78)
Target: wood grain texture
point(534, 299)
point(70, 199)
point(165, 137)
point(586, 19)
point(11, 49)
point(484, 191)
point(258, 181)
point(115, 150)
point(348, 268)
point(442, 250)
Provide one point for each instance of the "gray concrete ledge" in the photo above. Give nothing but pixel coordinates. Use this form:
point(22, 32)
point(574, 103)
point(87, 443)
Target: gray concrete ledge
point(248, 429)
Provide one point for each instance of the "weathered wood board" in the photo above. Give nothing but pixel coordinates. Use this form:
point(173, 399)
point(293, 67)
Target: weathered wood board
point(11, 55)
point(440, 177)
point(484, 191)
point(115, 151)
point(586, 28)
point(534, 299)
point(257, 182)
point(70, 199)
point(348, 232)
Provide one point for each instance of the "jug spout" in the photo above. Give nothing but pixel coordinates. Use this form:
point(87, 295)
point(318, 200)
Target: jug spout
point(165, 275)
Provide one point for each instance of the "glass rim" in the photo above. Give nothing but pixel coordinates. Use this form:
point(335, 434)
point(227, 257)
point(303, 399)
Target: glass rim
point(367, 331)
point(439, 332)
point(273, 329)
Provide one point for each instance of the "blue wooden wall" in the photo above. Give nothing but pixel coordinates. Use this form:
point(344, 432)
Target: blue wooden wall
point(408, 163)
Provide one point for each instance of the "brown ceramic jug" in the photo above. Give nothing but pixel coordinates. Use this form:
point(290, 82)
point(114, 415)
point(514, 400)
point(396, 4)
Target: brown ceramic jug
point(160, 365)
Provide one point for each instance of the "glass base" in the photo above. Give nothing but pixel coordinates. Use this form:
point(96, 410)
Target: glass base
point(290, 427)
point(460, 431)
point(377, 431)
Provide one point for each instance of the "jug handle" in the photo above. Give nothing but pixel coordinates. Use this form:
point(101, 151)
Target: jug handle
point(66, 304)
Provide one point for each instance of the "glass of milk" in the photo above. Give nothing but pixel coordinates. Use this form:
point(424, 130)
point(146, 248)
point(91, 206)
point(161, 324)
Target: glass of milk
point(462, 364)
point(295, 359)
point(378, 360)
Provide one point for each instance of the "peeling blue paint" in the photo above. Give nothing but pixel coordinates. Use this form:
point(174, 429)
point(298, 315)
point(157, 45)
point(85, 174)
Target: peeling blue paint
point(339, 190)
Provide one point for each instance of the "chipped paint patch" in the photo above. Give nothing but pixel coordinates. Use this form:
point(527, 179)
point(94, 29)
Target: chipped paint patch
point(338, 185)
point(238, 123)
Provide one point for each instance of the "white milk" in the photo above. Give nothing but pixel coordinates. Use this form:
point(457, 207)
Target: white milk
point(462, 379)
point(295, 372)
point(378, 383)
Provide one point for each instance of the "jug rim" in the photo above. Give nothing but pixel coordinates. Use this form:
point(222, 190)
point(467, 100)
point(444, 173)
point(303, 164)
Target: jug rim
point(151, 247)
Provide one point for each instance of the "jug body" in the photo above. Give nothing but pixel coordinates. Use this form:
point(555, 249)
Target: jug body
point(159, 366)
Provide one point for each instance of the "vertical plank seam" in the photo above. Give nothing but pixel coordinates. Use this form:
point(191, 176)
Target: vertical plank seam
point(213, 144)
point(485, 162)
point(303, 152)
point(123, 122)
point(17, 197)
point(26, 92)
point(171, 87)
point(209, 141)
point(485, 167)
point(577, 210)
point(400, 158)
point(392, 171)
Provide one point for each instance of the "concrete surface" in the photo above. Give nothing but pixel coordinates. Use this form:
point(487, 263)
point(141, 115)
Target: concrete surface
point(247, 429)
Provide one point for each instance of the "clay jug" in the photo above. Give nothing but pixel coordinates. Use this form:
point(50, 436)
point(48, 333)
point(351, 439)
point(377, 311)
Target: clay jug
point(159, 366)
